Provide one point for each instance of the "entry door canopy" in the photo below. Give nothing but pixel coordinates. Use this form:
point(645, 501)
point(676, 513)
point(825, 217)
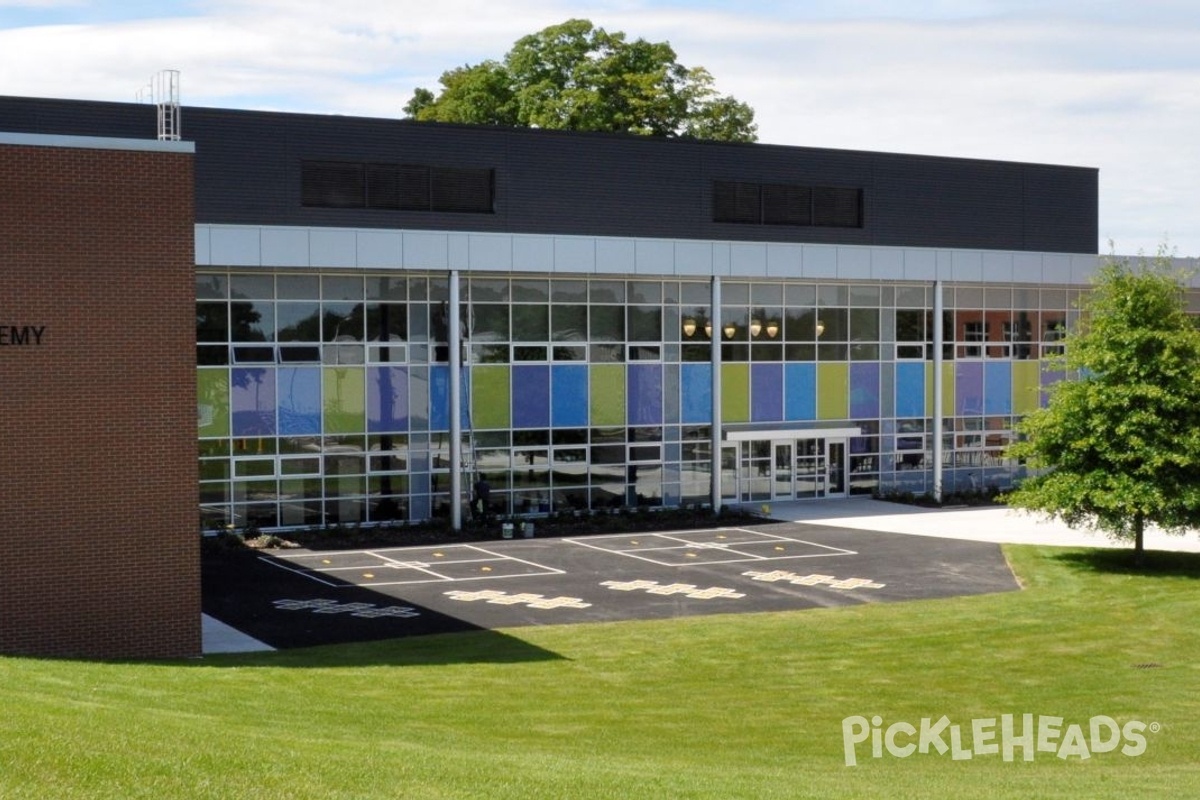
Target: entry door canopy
point(746, 435)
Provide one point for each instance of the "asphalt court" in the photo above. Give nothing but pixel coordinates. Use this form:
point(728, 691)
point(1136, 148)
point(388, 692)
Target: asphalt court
point(290, 598)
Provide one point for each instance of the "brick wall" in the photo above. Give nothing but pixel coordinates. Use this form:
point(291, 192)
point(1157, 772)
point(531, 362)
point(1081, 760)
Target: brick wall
point(98, 532)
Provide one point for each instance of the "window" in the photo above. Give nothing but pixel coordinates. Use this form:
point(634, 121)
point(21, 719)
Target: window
point(401, 187)
point(787, 204)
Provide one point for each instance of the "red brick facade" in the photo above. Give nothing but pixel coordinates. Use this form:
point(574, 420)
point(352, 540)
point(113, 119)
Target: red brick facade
point(98, 532)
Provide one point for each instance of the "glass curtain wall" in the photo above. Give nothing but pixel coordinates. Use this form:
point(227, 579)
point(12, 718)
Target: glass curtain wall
point(323, 398)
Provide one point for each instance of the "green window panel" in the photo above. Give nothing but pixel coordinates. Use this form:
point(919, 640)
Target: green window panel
point(491, 396)
point(833, 391)
point(1026, 386)
point(345, 400)
point(735, 392)
point(212, 402)
point(608, 394)
point(947, 389)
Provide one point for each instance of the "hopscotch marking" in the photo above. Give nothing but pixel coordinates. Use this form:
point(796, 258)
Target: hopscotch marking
point(814, 580)
point(360, 610)
point(527, 599)
point(689, 590)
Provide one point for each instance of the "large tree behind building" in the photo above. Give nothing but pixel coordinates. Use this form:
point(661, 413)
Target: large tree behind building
point(1117, 447)
point(575, 76)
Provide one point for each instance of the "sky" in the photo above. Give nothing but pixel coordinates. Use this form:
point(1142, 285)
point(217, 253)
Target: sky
point(1110, 85)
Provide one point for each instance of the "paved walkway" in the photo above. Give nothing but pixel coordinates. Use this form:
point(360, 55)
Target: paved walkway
point(989, 524)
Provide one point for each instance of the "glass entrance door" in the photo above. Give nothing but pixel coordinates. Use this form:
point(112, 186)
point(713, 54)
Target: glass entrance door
point(782, 473)
point(835, 451)
point(810, 468)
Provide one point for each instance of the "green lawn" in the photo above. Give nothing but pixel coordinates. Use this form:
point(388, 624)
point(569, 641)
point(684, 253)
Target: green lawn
point(735, 706)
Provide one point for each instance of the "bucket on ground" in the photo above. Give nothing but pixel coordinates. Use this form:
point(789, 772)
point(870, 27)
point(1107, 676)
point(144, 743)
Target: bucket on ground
point(506, 530)
point(527, 530)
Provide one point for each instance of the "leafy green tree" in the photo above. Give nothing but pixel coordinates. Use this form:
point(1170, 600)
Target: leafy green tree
point(1118, 446)
point(574, 76)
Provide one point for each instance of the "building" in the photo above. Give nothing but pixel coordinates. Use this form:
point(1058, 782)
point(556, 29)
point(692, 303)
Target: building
point(387, 310)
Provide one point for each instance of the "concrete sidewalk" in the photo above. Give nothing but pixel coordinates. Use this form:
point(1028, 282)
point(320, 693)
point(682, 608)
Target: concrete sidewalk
point(986, 524)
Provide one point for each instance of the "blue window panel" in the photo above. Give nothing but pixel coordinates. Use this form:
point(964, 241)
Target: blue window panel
point(997, 388)
point(569, 396)
point(531, 396)
point(644, 394)
point(387, 399)
point(968, 389)
point(252, 398)
point(696, 390)
point(800, 391)
point(910, 389)
point(766, 392)
point(439, 398)
point(299, 401)
point(864, 390)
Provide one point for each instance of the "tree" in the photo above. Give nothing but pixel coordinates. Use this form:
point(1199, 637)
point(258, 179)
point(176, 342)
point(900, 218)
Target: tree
point(574, 76)
point(1118, 446)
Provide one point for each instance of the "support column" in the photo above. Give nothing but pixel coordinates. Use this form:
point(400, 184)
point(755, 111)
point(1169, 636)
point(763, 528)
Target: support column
point(715, 340)
point(454, 334)
point(939, 335)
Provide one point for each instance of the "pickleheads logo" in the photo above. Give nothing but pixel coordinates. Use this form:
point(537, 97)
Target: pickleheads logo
point(1027, 733)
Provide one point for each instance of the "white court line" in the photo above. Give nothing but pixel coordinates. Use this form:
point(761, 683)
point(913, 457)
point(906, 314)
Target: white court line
point(396, 564)
point(678, 536)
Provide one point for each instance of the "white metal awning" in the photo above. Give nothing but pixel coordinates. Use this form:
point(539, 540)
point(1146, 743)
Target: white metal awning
point(746, 435)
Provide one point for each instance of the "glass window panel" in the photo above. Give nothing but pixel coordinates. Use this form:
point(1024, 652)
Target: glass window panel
point(832, 325)
point(387, 322)
point(565, 353)
point(489, 290)
point(607, 324)
point(607, 353)
point(607, 291)
point(864, 296)
point(343, 322)
point(526, 352)
point(298, 287)
point(531, 323)
point(800, 325)
point(386, 288)
point(800, 294)
point(911, 297)
point(298, 322)
point(568, 291)
point(832, 296)
point(695, 294)
point(735, 294)
point(489, 322)
point(529, 290)
point(211, 287)
point(766, 294)
point(800, 352)
point(645, 323)
point(910, 325)
point(252, 287)
point(569, 323)
point(864, 325)
point(252, 322)
point(342, 287)
point(644, 292)
point(212, 322)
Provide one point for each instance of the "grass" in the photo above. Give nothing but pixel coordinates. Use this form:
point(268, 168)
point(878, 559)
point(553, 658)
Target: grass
point(736, 706)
